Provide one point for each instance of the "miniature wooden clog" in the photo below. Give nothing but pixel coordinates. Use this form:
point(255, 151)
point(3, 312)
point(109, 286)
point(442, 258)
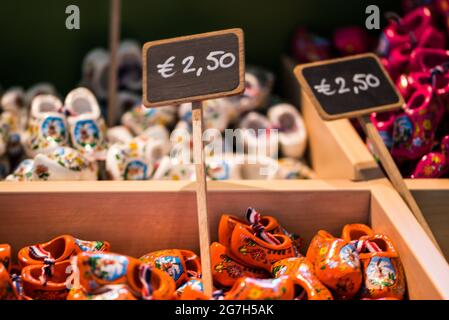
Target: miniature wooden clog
point(226, 271)
point(111, 292)
point(255, 252)
point(23, 172)
point(228, 223)
point(95, 71)
point(58, 249)
point(102, 269)
point(253, 218)
point(282, 288)
point(256, 132)
point(192, 294)
point(382, 269)
point(301, 271)
point(47, 127)
point(129, 65)
point(139, 118)
point(415, 130)
point(41, 283)
point(64, 164)
point(292, 130)
point(5, 256)
point(434, 164)
point(8, 290)
point(87, 127)
point(337, 264)
point(179, 264)
point(193, 284)
point(353, 232)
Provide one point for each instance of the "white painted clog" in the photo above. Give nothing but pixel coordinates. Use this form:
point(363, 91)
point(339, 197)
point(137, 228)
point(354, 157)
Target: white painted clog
point(292, 130)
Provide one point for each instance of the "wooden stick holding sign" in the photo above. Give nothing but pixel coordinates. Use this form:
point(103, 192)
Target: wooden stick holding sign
point(193, 69)
point(114, 39)
point(356, 87)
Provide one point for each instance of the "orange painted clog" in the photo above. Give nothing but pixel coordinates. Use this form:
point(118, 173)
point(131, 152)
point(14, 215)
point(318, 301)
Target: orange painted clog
point(194, 284)
point(112, 292)
point(103, 269)
point(192, 294)
point(353, 232)
point(382, 269)
point(40, 284)
point(255, 252)
point(302, 272)
point(228, 223)
point(336, 263)
point(8, 290)
point(5, 256)
point(269, 224)
point(179, 264)
point(225, 271)
point(282, 288)
point(58, 249)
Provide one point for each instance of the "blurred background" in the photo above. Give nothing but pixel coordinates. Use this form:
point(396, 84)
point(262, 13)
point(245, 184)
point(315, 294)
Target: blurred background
point(37, 47)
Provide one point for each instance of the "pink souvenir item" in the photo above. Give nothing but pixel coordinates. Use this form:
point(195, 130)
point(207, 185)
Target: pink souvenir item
point(438, 77)
point(384, 123)
point(399, 57)
point(400, 30)
point(414, 131)
point(426, 59)
point(351, 40)
point(307, 47)
point(434, 164)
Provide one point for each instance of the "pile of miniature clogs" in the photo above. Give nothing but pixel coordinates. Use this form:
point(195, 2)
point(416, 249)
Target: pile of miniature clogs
point(259, 259)
point(44, 138)
point(254, 260)
point(414, 51)
point(73, 269)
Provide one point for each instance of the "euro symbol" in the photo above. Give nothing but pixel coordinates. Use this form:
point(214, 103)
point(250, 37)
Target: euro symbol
point(167, 67)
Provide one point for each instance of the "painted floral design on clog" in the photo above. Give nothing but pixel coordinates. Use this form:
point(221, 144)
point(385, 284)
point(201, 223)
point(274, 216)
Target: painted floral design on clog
point(108, 267)
point(53, 128)
point(86, 134)
point(91, 246)
point(24, 171)
point(262, 289)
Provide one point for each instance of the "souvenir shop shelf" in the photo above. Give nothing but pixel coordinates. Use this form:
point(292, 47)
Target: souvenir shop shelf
point(138, 217)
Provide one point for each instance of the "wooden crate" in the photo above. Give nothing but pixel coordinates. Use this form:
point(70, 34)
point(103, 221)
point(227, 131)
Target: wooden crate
point(138, 217)
point(432, 196)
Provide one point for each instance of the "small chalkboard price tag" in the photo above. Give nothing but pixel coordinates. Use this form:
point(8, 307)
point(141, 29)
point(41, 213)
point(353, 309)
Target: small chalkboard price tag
point(349, 87)
point(193, 68)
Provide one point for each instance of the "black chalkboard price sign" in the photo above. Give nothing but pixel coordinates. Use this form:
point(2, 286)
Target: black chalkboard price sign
point(193, 68)
point(349, 87)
